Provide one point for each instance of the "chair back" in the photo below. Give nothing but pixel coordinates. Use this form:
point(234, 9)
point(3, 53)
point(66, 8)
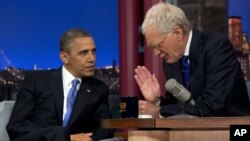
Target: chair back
point(5, 111)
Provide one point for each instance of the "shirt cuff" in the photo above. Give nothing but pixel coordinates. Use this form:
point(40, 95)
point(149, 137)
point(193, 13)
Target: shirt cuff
point(157, 103)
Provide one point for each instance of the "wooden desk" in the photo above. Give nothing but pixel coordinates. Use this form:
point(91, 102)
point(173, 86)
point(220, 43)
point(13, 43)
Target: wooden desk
point(177, 129)
point(125, 126)
point(128, 123)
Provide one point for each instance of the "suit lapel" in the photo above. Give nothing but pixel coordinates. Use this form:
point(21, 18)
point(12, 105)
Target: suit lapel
point(83, 96)
point(178, 72)
point(56, 87)
point(195, 53)
point(173, 71)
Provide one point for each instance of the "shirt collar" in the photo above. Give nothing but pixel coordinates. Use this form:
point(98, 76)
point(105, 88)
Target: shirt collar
point(68, 77)
point(186, 52)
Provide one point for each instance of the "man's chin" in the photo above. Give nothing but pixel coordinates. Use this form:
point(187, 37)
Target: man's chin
point(88, 74)
point(170, 61)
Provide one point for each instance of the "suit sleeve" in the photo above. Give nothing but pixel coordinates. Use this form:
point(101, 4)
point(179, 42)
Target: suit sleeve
point(102, 113)
point(20, 121)
point(222, 71)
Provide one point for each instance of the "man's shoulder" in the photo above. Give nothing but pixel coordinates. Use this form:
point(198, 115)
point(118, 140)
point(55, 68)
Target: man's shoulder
point(40, 73)
point(95, 81)
point(212, 36)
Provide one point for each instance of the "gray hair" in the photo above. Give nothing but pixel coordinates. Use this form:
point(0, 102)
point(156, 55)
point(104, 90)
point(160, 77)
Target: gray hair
point(68, 38)
point(164, 17)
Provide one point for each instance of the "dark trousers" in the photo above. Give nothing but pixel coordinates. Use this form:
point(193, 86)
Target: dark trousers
point(56, 133)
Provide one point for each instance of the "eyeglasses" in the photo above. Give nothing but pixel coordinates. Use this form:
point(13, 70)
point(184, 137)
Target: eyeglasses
point(159, 45)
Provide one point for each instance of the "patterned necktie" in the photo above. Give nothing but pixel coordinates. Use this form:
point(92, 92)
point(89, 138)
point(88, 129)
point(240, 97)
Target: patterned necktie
point(70, 101)
point(185, 71)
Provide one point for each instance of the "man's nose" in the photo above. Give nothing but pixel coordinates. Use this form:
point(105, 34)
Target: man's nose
point(157, 52)
point(91, 57)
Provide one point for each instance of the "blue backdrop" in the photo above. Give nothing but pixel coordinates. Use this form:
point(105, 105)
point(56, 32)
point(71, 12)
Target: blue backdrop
point(30, 29)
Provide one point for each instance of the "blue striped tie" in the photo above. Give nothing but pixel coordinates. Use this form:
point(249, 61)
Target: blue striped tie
point(185, 71)
point(70, 101)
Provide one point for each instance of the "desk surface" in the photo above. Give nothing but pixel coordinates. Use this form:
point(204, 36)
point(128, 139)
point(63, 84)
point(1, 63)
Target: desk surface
point(205, 123)
point(128, 123)
point(201, 123)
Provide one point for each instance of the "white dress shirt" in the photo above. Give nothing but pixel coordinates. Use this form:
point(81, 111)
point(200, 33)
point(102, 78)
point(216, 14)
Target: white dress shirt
point(67, 78)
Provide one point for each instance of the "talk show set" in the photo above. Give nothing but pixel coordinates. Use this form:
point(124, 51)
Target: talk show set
point(182, 72)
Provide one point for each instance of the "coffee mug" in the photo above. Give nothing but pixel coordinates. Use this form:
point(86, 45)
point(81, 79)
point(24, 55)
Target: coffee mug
point(129, 107)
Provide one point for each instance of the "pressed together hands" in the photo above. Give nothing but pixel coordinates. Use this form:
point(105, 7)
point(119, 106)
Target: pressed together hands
point(150, 89)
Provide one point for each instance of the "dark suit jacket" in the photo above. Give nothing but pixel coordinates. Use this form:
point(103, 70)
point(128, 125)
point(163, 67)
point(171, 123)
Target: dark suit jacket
point(40, 104)
point(217, 83)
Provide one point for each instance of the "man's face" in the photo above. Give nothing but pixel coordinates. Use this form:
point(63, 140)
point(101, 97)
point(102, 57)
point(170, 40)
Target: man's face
point(81, 59)
point(166, 46)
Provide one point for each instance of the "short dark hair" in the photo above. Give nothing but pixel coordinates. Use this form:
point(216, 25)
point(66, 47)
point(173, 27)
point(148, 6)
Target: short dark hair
point(69, 36)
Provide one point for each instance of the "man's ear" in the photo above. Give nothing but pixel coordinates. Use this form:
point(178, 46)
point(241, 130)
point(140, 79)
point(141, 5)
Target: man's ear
point(64, 57)
point(179, 32)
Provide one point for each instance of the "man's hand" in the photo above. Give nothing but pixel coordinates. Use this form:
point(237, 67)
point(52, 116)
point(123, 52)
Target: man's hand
point(148, 108)
point(81, 137)
point(148, 84)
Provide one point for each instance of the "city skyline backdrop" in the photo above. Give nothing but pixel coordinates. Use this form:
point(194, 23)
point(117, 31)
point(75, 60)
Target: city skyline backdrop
point(30, 30)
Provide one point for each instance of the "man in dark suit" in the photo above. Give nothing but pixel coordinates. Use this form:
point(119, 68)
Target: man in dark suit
point(44, 109)
point(214, 76)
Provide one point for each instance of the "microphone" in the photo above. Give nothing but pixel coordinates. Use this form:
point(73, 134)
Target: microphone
point(179, 91)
